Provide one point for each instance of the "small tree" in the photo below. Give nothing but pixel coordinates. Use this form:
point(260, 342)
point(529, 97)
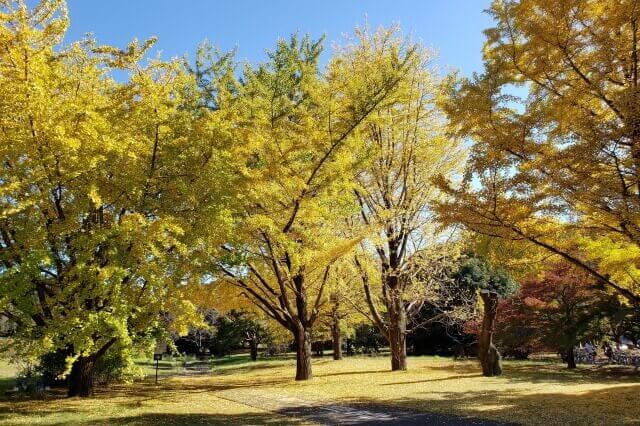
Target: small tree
point(236, 328)
point(516, 330)
point(346, 308)
point(492, 283)
point(367, 338)
point(564, 305)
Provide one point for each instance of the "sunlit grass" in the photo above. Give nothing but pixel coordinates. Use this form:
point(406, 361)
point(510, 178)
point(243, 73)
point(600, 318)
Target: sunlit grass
point(533, 393)
point(8, 374)
point(528, 392)
point(7, 370)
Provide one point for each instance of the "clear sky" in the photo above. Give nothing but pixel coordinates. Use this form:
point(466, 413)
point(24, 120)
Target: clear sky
point(453, 27)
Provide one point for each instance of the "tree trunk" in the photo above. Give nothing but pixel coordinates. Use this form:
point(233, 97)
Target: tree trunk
point(81, 378)
point(398, 334)
point(253, 344)
point(571, 358)
point(303, 353)
point(336, 338)
point(489, 355)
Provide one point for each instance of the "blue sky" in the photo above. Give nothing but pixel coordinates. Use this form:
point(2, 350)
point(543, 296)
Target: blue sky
point(454, 27)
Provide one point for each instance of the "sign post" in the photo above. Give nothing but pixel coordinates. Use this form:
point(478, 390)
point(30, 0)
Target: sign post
point(157, 358)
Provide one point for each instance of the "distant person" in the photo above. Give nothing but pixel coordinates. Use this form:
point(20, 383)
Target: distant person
point(622, 344)
point(589, 348)
point(626, 342)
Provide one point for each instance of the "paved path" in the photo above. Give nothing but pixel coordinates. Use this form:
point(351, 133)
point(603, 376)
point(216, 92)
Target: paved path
point(334, 414)
point(197, 367)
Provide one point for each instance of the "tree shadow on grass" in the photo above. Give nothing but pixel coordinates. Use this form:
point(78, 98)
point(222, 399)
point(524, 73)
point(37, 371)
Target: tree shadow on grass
point(126, 396)
point(246, 359)
point(244, 368)
point(440, 379)
point(266, 364)
point(155, 419)
point(352, 373)
point(6, 384)
point(355, 414)
point(613, 405)
point(134, 396)
point(553, 373)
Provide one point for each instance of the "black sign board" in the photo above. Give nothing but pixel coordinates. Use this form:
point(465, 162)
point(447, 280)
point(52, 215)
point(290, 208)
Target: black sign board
point(157, 357)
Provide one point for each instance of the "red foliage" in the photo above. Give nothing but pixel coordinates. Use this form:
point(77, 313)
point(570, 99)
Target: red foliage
point(551, 311)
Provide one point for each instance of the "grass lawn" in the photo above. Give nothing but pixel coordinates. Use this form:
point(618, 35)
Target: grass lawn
point(165, 367)
point(536, 393)
point(7, 375)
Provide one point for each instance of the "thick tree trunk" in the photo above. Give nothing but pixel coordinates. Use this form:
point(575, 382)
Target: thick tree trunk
point(303, 353)
point(489, 355)
point(571, 358)
point(398, 334)
point(253, 345)
point(81, 378)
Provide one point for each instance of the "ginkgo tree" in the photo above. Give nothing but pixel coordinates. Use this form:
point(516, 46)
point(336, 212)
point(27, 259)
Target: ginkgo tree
point(555, 126)
point(101, 184)
point(295, 130)
point(395, 193)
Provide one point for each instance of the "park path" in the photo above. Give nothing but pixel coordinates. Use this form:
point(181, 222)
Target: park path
point(190, 368)
point(197, 368)
point(333, 413)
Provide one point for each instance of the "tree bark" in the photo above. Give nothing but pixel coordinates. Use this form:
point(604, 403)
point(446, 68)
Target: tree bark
point(81, 378)
point(571, 358)
point(489, 355)
point(303, 353)
point(397, 333)
point(336, 337)
point(253, 344)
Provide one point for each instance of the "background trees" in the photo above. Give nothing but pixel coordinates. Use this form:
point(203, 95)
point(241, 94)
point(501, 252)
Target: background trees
point(237, 328)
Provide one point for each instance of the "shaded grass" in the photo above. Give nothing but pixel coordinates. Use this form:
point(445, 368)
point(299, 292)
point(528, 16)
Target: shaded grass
point(177, 401)
point(536, 393)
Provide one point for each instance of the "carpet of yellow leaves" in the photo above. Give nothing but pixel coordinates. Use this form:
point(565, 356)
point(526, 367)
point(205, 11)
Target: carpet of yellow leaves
point(533, 393)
